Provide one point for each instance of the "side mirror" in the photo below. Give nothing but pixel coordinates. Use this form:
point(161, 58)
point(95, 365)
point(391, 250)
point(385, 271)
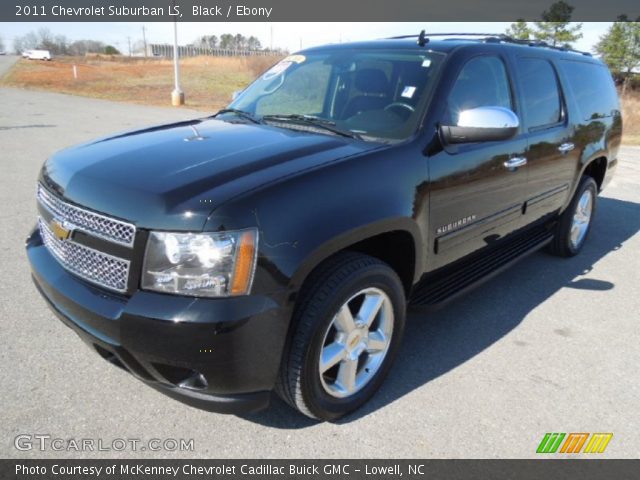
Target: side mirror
point(236, 94)
point(482, 124)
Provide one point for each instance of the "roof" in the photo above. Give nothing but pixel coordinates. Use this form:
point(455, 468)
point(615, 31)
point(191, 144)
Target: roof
point(453, 43)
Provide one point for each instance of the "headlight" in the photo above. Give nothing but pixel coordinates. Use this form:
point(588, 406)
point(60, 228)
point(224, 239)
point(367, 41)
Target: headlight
point(201, 264)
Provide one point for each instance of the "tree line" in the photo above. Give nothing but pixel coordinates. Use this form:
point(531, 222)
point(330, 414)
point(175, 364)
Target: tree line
point(228, 41)
point(44, 39)
point(619, 47)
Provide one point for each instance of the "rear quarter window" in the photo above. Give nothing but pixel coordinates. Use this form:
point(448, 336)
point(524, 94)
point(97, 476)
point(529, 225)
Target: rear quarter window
point(592, 88)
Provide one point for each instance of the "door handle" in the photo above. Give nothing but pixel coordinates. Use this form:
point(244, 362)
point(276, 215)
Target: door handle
point(515, 162)
point(566, 147)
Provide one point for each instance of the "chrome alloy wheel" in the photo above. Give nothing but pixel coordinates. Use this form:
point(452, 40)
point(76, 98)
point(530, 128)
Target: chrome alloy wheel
point(581, 219)
point(356, 342)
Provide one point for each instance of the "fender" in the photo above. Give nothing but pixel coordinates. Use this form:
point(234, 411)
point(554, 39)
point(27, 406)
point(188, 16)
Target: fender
point(606, 147)
point(306, 218)
point(355, 235)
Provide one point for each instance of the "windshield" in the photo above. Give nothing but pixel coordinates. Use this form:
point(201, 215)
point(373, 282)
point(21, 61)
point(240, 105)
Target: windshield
point(372, 94)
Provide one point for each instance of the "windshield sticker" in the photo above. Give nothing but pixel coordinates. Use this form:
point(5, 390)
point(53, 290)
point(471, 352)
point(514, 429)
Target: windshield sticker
point(295, 58)
point(408, 92)
point(426, 63)
point(277, 69)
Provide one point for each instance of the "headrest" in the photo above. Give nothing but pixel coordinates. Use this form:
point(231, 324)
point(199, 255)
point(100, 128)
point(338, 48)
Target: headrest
point(370, 80)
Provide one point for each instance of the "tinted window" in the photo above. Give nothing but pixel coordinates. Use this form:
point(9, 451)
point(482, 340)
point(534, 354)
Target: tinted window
point(377, 94)
point(305, 88)
point(592, 87)
point(540, 91)
point(482, 82)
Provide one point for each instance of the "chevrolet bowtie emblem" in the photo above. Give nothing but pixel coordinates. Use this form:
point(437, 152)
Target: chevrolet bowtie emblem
point(59, 231)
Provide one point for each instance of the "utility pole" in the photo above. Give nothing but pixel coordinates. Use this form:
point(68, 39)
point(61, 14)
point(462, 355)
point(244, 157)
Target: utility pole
point(129, 42)
point(177, 96)
point(271, 47)
point(144, 40)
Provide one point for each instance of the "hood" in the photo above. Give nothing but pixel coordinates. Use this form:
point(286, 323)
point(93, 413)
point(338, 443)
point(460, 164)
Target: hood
point(173, 176)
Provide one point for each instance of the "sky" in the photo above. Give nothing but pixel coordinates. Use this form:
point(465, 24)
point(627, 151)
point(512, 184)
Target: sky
point(290, 36)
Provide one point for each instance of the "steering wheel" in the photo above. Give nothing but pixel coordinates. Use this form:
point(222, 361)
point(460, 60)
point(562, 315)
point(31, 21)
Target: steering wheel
point(400, 105)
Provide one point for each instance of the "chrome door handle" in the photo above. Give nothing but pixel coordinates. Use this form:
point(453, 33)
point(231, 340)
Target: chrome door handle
point(566, 147)
point(515, 162)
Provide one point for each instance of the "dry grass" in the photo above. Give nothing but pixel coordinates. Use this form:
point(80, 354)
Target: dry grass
point(631, 118)
point(208, 82)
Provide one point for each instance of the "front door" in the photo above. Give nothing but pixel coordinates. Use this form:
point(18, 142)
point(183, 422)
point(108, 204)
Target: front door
point(477, 194)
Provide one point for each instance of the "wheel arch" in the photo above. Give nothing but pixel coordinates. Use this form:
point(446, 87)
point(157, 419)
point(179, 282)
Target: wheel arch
point(394, 241)
point(596, 168)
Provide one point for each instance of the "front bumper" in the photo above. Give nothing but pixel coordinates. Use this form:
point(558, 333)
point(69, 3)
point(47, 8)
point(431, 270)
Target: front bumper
point(220, 355)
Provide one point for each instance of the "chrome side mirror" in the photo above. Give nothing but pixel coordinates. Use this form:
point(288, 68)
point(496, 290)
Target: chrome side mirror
point(482, 124)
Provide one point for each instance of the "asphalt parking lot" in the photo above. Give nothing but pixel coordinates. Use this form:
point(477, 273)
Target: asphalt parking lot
point(551, 345)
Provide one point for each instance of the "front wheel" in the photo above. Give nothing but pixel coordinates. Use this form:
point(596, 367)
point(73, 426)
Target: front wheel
point(348, 326)
point(575, 223)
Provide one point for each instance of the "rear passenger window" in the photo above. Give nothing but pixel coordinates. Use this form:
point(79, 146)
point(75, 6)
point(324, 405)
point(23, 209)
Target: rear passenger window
point(540, 92)
point(592, 88)
point(483, 82)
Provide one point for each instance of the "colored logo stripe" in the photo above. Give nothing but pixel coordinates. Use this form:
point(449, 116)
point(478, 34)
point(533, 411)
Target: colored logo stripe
point(550, 443)
point(598, 442)
point(574, 442)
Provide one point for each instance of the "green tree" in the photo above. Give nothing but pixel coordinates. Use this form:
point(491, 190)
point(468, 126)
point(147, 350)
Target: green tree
point(519, 30)
point(555, 27)
point(226, 41)
point(620, 48)
point(253, 43)
point(111, 50)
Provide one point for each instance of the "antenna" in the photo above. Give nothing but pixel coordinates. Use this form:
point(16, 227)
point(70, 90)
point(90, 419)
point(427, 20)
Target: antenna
point(422, 38)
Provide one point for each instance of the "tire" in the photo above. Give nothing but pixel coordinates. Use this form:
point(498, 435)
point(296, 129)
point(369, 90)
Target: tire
point(574, 225)
point(348, 283)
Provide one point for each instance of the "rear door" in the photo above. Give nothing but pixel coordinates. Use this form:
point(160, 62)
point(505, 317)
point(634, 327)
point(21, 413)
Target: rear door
point(552, 155)
point(476, 198)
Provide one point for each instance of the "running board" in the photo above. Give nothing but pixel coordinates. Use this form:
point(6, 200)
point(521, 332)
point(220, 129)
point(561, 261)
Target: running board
point(439, 288)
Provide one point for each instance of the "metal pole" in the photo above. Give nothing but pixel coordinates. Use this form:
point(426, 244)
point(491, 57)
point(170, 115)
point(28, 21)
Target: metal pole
point(177, 96)
point(144, 40)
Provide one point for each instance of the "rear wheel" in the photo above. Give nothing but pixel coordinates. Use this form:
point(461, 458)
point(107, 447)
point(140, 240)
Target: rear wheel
point(348, 326)
point(575, 223)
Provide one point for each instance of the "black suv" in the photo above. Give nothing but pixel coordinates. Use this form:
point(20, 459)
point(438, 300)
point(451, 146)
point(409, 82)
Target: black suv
point(277, 244)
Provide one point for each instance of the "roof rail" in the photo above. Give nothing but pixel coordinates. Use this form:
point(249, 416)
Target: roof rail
point(539, 43)
point(423, 39)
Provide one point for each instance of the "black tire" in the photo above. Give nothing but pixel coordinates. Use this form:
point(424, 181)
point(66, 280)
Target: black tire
point(329, 287)
point(562, 245)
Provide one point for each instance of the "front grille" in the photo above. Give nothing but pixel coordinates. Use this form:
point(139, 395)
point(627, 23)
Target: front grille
point(90, 222)
point(96, 267)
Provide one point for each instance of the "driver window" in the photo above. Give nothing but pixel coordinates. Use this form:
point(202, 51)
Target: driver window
point(483, 82)
point(300, 90)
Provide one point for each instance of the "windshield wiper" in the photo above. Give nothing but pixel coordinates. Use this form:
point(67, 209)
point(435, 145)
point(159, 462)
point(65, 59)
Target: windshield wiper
point(240, 113)
point(314, 121)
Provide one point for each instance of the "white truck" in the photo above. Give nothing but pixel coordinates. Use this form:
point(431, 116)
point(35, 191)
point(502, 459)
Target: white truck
point(37, 54)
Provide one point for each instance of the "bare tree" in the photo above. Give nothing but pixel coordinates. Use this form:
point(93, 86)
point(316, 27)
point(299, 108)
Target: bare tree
point(82, 47)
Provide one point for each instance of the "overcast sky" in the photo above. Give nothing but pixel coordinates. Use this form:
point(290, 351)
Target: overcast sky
point(291, 36)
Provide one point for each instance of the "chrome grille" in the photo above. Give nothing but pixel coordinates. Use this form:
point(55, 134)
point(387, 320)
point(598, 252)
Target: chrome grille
point(90, 222)
point(96, 267)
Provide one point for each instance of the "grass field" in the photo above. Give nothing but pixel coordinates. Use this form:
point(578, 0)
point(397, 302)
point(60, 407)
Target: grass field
point(208, 82)
point(631, 118)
